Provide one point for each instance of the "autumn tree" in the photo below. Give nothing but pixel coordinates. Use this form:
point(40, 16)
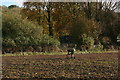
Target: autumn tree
point(64, 18)
point(40, 12)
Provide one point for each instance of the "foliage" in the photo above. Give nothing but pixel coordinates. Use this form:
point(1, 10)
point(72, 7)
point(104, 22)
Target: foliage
point(22, 41)
point(13, 6)
point(15, 26)
point(88, 41)
point(84, 26)
point(39, 12)
point(8, 42)
point(17, 31)
point(82, 17)
point(118, 37)
point(21, 33)
point(105, 42)
point(49, 41)
point(30, 26)
point(98, 47)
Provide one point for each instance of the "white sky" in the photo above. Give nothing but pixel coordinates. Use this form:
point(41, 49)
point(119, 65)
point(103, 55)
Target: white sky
point(10, 2)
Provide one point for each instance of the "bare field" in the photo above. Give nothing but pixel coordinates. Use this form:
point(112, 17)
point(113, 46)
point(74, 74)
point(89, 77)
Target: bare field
point(103, 65)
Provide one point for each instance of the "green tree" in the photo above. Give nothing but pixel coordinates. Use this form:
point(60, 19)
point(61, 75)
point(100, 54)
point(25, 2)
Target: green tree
point(18, 29)
point(13, 6)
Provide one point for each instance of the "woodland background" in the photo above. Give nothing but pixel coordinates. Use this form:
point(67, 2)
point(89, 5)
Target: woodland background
point(52, 26)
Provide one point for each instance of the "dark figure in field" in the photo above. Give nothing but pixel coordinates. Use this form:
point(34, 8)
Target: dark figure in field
point(70, 52)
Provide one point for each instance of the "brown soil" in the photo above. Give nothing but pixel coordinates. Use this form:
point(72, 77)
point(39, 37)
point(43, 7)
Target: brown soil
point(103, 65)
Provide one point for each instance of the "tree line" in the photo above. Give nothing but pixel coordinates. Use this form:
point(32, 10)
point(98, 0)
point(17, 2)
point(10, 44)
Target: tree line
point(41, 24)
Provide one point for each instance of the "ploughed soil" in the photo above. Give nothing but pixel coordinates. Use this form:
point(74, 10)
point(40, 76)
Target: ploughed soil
point(84, 66)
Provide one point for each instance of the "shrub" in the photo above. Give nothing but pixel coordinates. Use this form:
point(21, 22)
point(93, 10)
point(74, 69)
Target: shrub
point(87, 41)
point(98, 47)
point(118, 38)
point(22, 41)
point(8, 42)
point(49, 41)
point(106, 42)
point(8, 45)
point(53, 42)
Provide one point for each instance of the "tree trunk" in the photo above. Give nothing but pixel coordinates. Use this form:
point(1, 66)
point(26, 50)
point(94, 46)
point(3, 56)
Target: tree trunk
point(49, 21)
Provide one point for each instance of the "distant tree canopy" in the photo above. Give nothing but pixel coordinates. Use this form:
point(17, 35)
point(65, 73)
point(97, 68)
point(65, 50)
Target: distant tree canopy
point(43, 23)
point(13, 6)
point(65, 18)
